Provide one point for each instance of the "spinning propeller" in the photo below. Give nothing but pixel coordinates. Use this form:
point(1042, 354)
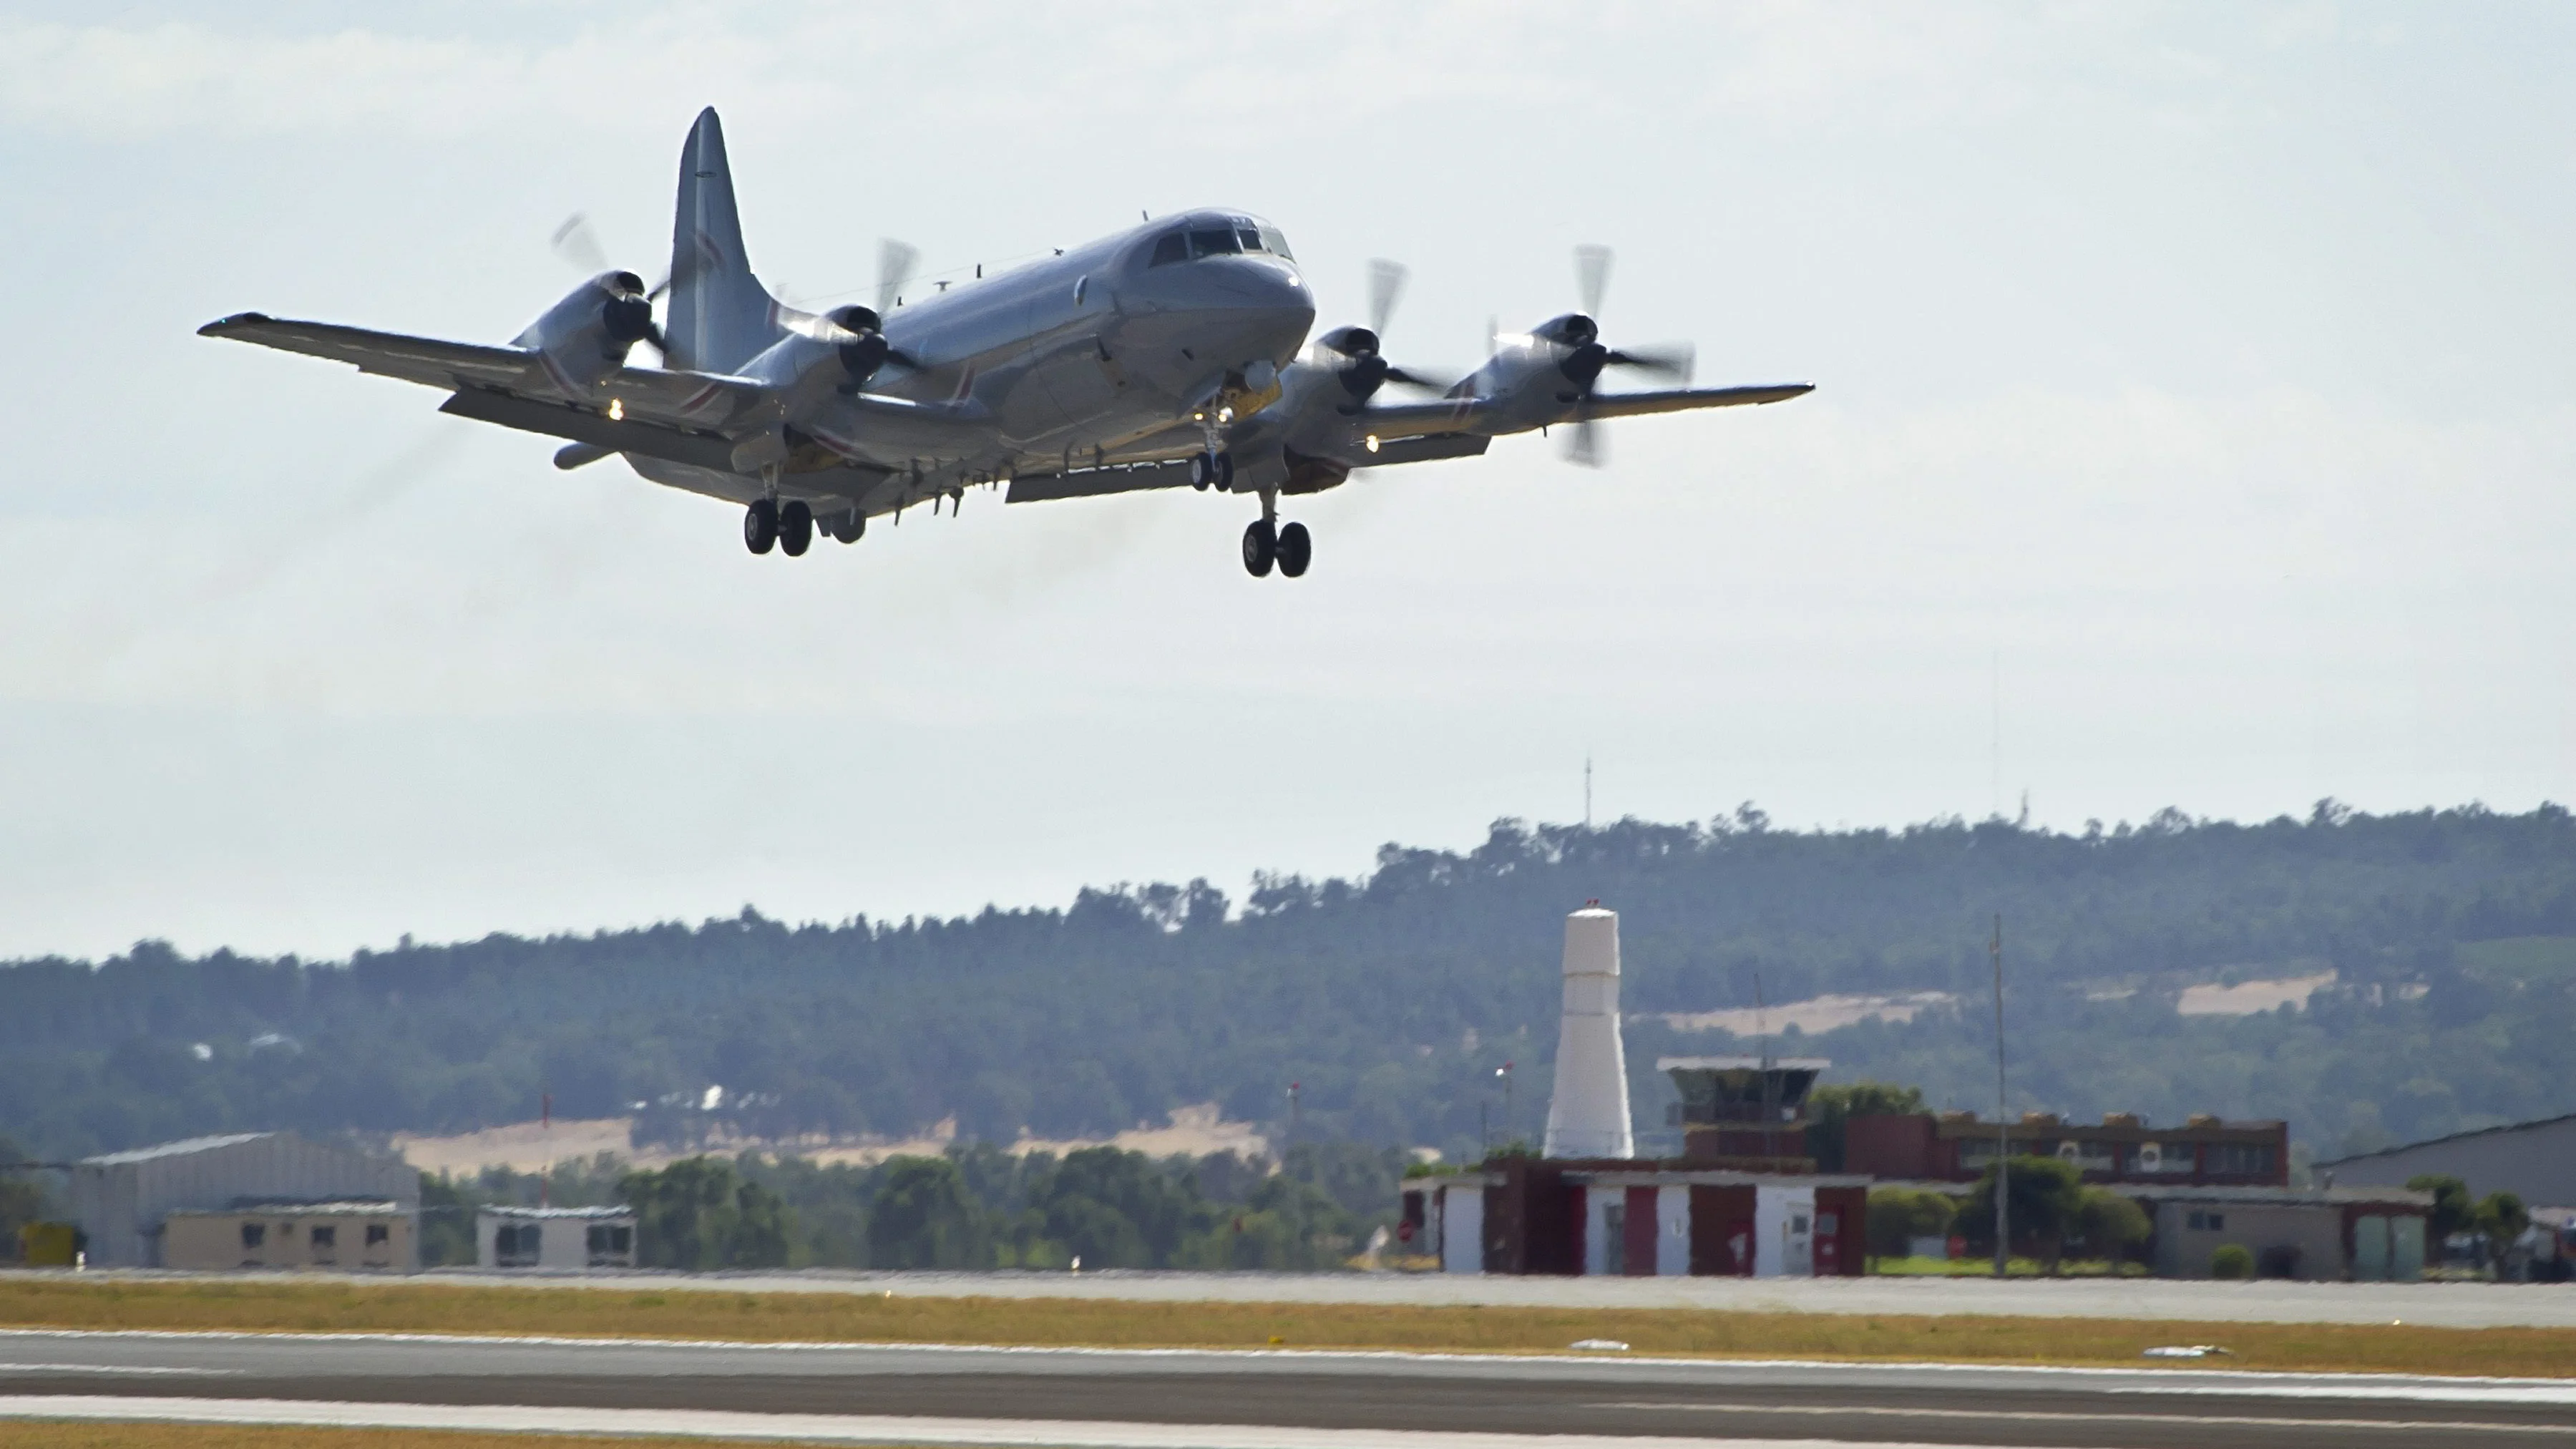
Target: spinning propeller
point(1586, 357)
point(628, 313)
point(1368, 369)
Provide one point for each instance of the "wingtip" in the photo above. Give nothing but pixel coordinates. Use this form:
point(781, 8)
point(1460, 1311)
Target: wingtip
point(223, 325)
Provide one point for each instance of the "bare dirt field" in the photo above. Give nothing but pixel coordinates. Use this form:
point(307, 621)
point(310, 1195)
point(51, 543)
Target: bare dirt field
point(530, 1146)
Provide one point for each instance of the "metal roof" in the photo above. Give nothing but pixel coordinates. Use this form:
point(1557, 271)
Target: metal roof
point(181, 1148)
point(292, 1209)
point(496, 1211)
point(2405, 1147)
point(1790, 1064)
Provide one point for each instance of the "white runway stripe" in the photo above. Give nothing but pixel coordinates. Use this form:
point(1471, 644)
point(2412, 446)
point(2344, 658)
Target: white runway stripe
point(824, 1428)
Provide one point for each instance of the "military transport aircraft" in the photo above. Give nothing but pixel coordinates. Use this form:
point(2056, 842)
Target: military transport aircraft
point(1164, 356)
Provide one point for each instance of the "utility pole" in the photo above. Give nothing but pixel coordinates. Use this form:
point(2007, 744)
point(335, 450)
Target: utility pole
point(1292, 1113)
point(2003, 1120)
point(1505, 1072)
point(1587, 790)
point(1762, 1065)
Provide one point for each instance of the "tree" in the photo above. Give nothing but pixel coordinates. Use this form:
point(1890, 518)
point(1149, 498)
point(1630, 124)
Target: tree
point(1830, 1106)
point(923, 1217)
point(699, 1215)
point(22, 1199)
point(2232, 1261)
point(2452, 1211)
point(2110, 1224)
point(1899, 1215)
point(2046, 1199)
point(2500, 1218)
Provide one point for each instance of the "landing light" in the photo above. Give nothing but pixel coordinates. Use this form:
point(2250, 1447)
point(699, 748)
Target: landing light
point(1372, 442)
point(617, 411)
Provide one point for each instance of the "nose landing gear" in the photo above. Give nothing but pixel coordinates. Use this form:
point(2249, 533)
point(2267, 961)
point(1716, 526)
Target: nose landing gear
point(1212, 468)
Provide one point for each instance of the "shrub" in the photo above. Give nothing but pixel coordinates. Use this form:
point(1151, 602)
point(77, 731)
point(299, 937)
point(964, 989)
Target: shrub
point(1898, 1215)
point(2232, 1260)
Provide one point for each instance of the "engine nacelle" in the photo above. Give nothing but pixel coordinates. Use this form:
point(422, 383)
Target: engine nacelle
point(835, 353)
point(584, 338)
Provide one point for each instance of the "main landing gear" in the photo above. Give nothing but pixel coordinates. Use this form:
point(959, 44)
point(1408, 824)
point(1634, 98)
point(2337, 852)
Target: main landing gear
point(1268, 542)
point(789, 526)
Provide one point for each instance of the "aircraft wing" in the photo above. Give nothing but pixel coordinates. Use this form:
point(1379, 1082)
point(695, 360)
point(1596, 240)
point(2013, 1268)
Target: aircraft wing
point(1683, 399)
point(649, 400)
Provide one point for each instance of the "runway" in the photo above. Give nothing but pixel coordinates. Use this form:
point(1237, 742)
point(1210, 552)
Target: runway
point(1291, 1400)
point(2431, 1305)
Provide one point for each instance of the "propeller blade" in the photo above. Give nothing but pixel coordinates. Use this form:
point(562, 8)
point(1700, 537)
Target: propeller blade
point(1591, 277)
point(1386, 284)
point(894, 268)
point(1429, 382)
point(1585, 446)
point(578, 244)
point(664, 285)
point(1674, 360)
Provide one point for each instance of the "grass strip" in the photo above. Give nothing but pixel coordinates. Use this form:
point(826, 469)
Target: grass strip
point(276, 1305)
point(43, 1434)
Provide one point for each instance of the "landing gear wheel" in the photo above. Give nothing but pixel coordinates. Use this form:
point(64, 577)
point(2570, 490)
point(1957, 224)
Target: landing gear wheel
point(760, 525)
point(849, 527)
point(795, 528)
point(1202, 470)
point(1260, 547)
point(1296, 550)
point(1224, 472)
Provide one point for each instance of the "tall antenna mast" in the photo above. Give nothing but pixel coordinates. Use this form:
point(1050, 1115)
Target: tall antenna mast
point(1998, 760)
point(1587, 789)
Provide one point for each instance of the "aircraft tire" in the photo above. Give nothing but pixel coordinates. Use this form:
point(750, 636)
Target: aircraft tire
point(760, 525)
point(795, 528)
point(1260, 548)
point(1296, 550)
point(1202, 471)
point(849, 527)
point(1224, 470)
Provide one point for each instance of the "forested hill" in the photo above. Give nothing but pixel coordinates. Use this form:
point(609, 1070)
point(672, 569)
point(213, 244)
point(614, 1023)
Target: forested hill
point(1394, 997)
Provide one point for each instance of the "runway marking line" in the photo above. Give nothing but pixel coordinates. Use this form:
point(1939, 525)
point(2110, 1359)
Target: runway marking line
point(2239, 1421)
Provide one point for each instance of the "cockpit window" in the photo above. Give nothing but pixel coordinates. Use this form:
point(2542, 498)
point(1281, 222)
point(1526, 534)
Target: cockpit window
point(1171, 247)
point(1215, 241)
point(1274, 241)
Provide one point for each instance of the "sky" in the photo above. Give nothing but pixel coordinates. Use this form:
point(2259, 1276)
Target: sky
point(2192, 428)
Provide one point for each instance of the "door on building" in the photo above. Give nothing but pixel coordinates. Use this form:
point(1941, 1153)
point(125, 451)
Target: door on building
point(2370, 1248)
point(1614, 1238)
point(1829, 1242)
point(1642, 1229)
point(1797, 1243)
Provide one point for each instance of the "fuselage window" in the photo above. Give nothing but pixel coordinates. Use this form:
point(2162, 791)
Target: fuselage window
point(1171, 247)
point(1276, 242)
point(1215, 241)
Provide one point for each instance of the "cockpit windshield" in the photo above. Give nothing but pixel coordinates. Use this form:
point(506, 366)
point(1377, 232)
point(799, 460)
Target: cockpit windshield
point(1234, 238)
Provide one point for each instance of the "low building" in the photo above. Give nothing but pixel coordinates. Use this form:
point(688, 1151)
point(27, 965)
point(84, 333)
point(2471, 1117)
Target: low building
point(522, 1237)
point(2535, 1161)
point(342, 1235)
point(2123, 1149)
point(123, 1200)
point(1639, 1219)
point(2330, 1235)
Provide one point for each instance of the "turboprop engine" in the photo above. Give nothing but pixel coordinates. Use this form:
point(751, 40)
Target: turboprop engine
point(585, 337)
point(821, 357)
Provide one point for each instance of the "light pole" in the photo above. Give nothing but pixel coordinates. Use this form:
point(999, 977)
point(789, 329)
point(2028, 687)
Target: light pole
point(2003, 1121)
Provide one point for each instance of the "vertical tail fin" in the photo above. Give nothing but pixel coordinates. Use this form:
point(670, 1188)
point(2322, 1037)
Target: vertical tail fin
point(721, 316)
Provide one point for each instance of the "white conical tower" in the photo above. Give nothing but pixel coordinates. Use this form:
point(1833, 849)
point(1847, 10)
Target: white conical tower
point(1588, 1115)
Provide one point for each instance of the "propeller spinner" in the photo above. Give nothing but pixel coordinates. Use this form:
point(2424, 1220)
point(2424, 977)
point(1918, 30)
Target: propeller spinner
point(1368, 370)
point(1586, 358)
